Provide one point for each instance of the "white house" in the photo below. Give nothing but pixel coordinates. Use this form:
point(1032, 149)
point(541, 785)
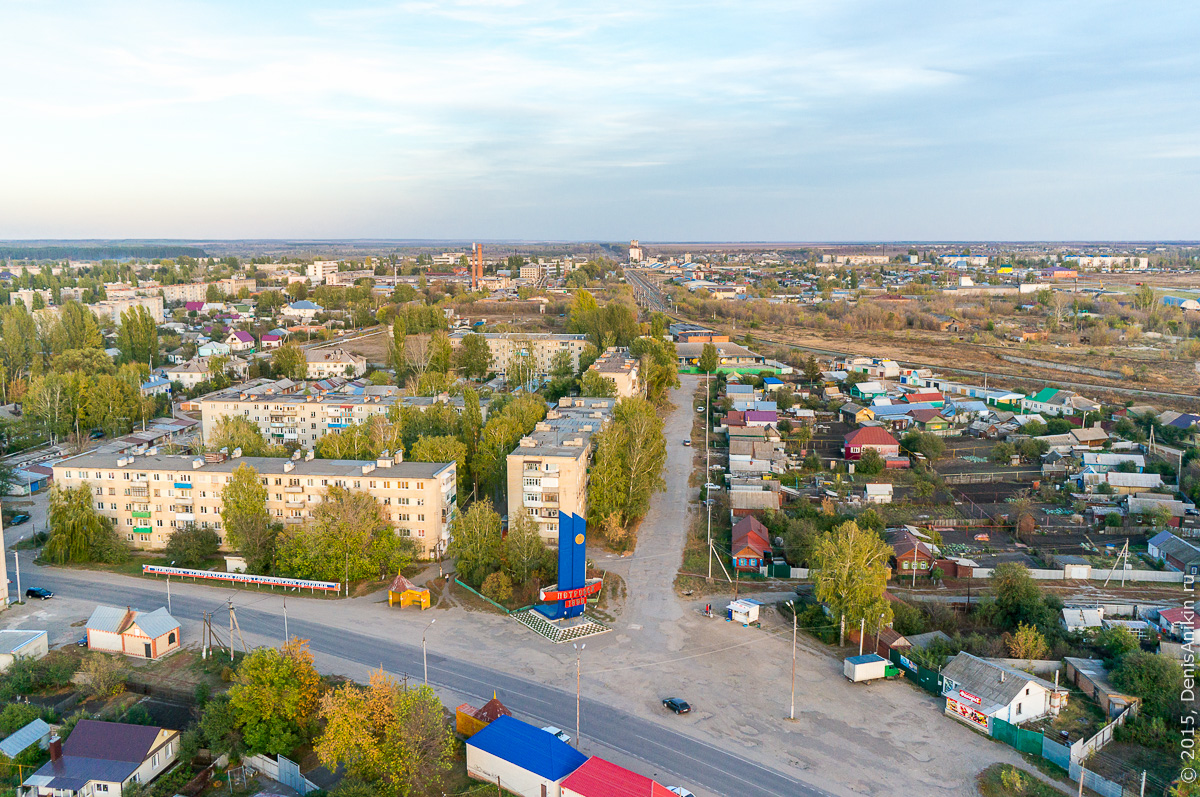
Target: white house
point(302, 311)
point(16, 644)
point(103, 758)
point(324, 363)
point(1082, 619)
point(877, 493)
point(978, 691)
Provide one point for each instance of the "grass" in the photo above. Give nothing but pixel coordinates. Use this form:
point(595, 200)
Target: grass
point(1005, 780)
point(1081, 717)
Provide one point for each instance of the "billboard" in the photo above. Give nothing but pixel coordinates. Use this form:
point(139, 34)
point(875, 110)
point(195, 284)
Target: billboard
point(241, 578)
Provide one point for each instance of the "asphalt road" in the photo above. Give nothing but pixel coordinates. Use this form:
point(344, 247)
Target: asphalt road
point(675, 756)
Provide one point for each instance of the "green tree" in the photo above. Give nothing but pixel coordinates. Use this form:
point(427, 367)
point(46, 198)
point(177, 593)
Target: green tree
point(394, 742)
point(77, 532)
point(1144, 298)
point(594, 384)
point(498, 586)
point(236, 431)
point(812, 371)
point(212, 294)
point(244, 513)
point(275, 698)
point(562, 365)
point(628, 465)
point(398, 349)
point(849, 566)
point(443, 448)
point(1027, 643)
point(1018, 597)
point(192, 546)
point(137, 337)
point(297, 290)
point(929, 445)
point(441, 356)
point(80, 327)
point(474, 357)
point(1113, 643)
point(1157, 680)
point(659, 367)
point(525, 552)
point(289, 360)
point(470, 421)
point(475, 542)
point(869, 463)
point(1003, 452)
point(709, 358)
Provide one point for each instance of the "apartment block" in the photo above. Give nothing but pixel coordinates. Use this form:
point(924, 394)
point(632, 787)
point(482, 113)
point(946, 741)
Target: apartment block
point(324, 363)
point(113, 308)
point(622, 368)
point(25, 296)
point(148, 497)
point(198, 291)
point(542, 345)
point(548, 470)
point(285, 413)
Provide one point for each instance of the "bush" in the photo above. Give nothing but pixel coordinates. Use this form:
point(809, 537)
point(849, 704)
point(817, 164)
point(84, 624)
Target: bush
point(27, 676)
point(105, 675)
point(16, 716)
point(191, 546)
point(498, 587)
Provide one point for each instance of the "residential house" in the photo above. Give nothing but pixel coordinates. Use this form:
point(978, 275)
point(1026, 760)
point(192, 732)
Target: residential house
point(18, 644)
point(302, 311)
point(870, 437)
point(214, 348)
point(103, 758)
point(877, 493)
point(931, 421)
point(1091, 436)
point(853, 413)
point(324, 363)
point(1054, 402)
point(1102, 461)
point(156, 385)
point(520, 758)
point(979, 691)
point(271, 341)
point(867, 391)
point(749, 500)
point(751, 545)
point(914, 551)
point(931, 397)
point(144, 635)
point(618, 365)
point(1179, 622)
point(240, 340)
point(1179, 555)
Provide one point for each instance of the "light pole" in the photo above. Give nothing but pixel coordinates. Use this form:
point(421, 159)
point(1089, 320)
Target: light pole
point(578, 657)
point(169, 588)
point(792, 604)
point(285, 630)
point(707, 465)
point(424, 656)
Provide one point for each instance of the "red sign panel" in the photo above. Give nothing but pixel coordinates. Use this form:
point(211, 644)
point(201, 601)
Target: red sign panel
point(969, 696)
point(569, 595)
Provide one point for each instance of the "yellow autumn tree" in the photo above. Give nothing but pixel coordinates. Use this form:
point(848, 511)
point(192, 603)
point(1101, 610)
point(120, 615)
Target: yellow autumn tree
point(399, 742)
point(275, 698)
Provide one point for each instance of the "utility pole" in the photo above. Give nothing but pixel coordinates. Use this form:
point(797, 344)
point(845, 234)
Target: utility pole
point(578, 661)
point(230, 630)
point(707, 469)
point(17, 560)
point(285, 630)
point(168, 593)
point(792, 714)
point(424, 655)
point(4, 562)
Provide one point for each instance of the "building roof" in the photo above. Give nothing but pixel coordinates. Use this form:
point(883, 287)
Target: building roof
point(1181, 615)
point(600, 778)
point(243, 336)
point(870, 436)
point(304, 304)
point(72, 773)
point(1082, 618)
point(995, 684)
point(182, 463)
point(111, 741)
point(922, 641)
point(769, 416)
point(527, 747)
point(750, 533)
point(913, 398)
point(17, 741)
point(12, 640)
point(1160, 538)
point(156, 623)
point(492, 710)
point(1118, 479)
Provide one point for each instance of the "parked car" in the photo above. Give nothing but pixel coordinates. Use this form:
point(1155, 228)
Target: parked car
point(82, 641)
point(96, 434)
point(687, 442)
point(39, 593)
point(682, 792)
point(677, 704)
point(559, 733)
point(18, 520)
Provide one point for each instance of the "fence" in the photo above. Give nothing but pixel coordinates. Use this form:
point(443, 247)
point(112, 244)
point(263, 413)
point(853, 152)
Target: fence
point(927, 679)
point(1161, 576)
point(1020, 739)
point(1082, 749)
point(282, 771)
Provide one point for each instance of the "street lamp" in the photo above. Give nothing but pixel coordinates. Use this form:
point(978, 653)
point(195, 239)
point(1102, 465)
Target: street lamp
point(578, 656)
point(424, 656)
point(792, 605)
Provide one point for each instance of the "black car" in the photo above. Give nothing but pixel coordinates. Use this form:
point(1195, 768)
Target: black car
point(18, 520)
point(96, 434)
point(38, 592)
point(677, 704)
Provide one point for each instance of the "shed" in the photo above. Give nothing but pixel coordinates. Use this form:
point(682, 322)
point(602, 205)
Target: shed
point(145, 635)
point(521, 758)
point(406, 593)
point(36, 732)
point(1091, 676)
point(469, 720)
point(1074, 619)
point(16, 644)
point(1178, 622)
point(743, 610)
point(600, 778)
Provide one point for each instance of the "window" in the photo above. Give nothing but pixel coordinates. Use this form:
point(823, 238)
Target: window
point(1019, 709)
point(1027, 692)
point(421, 518)
point(402, 501)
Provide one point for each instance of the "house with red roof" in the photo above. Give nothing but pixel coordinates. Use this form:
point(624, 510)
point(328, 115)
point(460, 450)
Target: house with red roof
point(270, 341)
point(600, 778)
point(240, 340)
point(870, 437)
point(1177, 622)
point(751, 544)
point(932, 397)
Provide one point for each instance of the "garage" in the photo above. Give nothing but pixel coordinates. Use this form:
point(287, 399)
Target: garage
point(521, 758)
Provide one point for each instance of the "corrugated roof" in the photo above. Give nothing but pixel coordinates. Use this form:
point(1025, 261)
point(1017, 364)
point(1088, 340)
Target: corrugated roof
point(106, 618)
point(111, 741)
point(72, 772)
point(870, 436)
point(156, 623)
point(996, 684)
point(18, 741)
point(527, 747)
point(600, 778)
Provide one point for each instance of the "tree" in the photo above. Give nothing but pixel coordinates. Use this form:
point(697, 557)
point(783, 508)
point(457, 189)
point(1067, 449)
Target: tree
point(525, 552)
point(1028, 643)
point(236, 431)
point(1144, 298)
point(595, 385)
point(470, 421)
point(398, 348)
point(192, 545)
point(929, 445)
point(812, 371)
point(522, 368)
point(244, 513)
point(498, 586)
point(275, 698)
point(476, 543)
point(105, 675)
point(77, 532)
point(289, 360)
point(212, 294)
point(441, 356)
point(297, 290)
point(397, 741)
point(444, 448)
point(1157, 680)
point(137, 337)
point(80, 327)
point(562, 364)
point(849, 566)
point(1018, 597)
point(659, 367)
point(1002, 453)
point(870, 462)
point(1113, 643)
point(629, 460)
point(709, 358)
point(474, 357)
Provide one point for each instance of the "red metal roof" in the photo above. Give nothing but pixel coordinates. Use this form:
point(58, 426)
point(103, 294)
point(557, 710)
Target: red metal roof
point(600, 778)
point(871, 436)
point(750, 533)
point(916, 398)
point(1181, 615)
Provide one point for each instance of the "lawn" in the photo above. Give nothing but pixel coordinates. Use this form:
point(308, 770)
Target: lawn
point(1005, 780)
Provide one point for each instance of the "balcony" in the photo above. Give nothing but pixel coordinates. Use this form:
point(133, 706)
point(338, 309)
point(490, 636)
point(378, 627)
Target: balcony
point(294, 503)
point(186, 517)
point(294, 488)
point(139, 492)
point(182, 486)
point(184, 499)
point(141, 514)
point(550, 481)
point(293, 521)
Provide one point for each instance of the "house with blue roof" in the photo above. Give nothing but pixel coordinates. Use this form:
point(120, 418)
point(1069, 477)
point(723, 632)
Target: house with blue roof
point(521, 758)
point(156, 385)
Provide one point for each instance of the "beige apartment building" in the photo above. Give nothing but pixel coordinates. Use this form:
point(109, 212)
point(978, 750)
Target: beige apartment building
point(541, 345)
point(198, 291)
point(622, 368)
point(148, 497)
point(112, 308)
point(324, 363)
point(548, 470)
point(284, 413)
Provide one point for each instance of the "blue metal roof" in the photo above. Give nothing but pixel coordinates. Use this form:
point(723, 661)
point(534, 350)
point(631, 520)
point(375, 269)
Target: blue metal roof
point(17, 742)
point(529, 748)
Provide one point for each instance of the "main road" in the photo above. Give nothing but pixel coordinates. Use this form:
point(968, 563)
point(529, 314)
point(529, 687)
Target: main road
point(677, 756)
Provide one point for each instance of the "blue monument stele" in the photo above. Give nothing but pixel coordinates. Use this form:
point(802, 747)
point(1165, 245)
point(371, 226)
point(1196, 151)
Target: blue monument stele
point(568, 597)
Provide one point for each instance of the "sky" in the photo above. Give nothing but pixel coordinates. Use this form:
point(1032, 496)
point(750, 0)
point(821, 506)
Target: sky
point(789, 120)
